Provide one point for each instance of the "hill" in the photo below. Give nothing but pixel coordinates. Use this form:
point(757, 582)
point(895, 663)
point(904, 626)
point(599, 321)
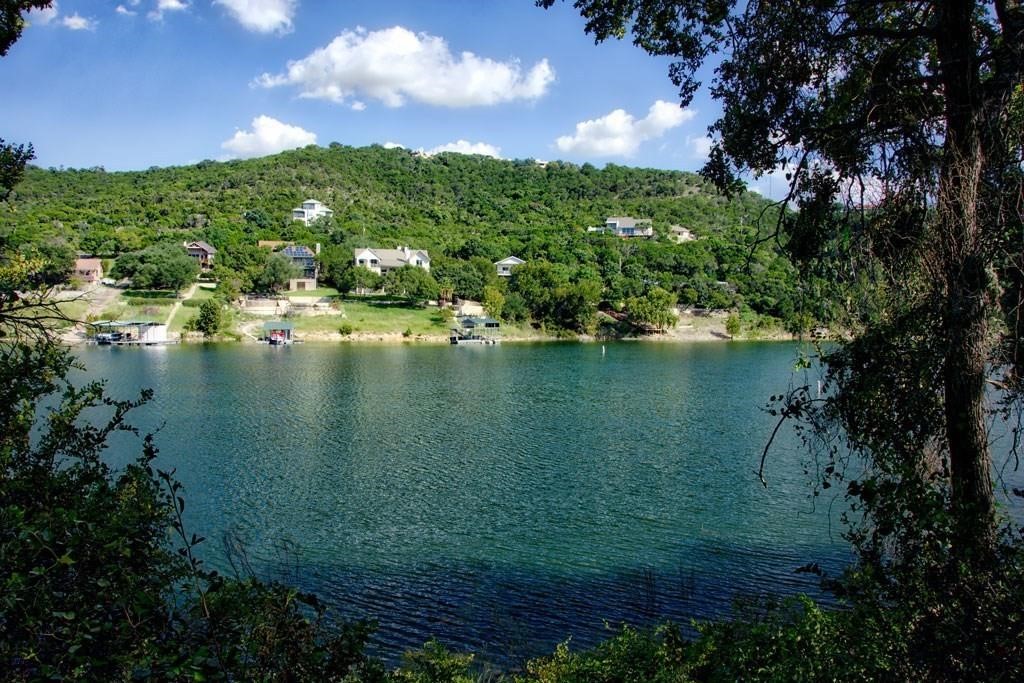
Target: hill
point(459, 207)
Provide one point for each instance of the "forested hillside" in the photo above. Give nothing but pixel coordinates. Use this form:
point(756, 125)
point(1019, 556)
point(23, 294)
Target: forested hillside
point(459, 207)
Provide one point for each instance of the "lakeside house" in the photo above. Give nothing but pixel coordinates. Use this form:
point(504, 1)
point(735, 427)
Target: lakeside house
point(505, 265)
point(202, 252)
point(89, 270)
point(625, 227)
point(381, 261)
point(309, 211)
point(304, 259)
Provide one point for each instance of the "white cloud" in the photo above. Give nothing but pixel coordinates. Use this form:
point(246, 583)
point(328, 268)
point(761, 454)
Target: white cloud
point(76, 22)
point(619, 134)
point(358, 106)
point(42, 16)
point(393, 145)
point(466, 147)
point(262, 16)
point(395, 65)
point(268, 136)
point(700, 147)
point(124, 11)
point(167, 6)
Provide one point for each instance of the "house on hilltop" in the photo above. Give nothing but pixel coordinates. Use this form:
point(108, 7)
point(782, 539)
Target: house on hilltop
point(202, 252)
point(679, 234)
point(505, 265)
point(626, 227)
point(380, 261)
point(309, 211)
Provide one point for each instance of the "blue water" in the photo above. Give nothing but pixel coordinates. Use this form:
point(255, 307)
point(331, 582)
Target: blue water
point(499, 498)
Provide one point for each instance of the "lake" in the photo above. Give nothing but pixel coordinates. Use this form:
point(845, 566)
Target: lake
point(499, 498)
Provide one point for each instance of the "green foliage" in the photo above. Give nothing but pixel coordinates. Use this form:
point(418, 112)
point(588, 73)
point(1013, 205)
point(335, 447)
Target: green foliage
point(493, 302)
point(346, 329)
point(654, 310)
point(277, 270)
point(211, 317)
point(631, 656)
point(410, 282)
point(732, 324)
point(162, 266)
point(434, 663)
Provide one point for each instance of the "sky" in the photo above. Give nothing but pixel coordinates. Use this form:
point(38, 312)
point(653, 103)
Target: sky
point(131, 84)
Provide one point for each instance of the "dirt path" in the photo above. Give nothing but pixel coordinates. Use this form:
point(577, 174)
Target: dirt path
point(177, 304)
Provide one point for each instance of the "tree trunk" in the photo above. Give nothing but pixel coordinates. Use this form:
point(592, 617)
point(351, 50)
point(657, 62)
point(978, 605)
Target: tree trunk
point(964, 279)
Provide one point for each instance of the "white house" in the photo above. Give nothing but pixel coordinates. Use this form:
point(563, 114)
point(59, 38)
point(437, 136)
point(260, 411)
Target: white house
point(505, 265)
point(625, 226)
point(679, 234)
point(310, 210)
point(381, 261)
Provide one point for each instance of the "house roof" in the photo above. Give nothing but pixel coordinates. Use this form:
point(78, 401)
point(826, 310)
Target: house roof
point(627, 221)
point(205, 246)
point(394, 258)
point(510, 261)
point(107, 324)
point(298, 251)
point(272, 325)
point(481, 321)
point(88, 264)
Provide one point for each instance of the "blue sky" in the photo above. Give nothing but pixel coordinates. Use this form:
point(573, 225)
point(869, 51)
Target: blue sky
point(139, 83)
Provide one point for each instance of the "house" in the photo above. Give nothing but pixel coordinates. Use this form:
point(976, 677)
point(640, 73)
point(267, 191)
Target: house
point(202, 252)
point(89, 270)
point(679, 234)
point(304, 259)
point(505, 265)
point(624, 226)
point(380, 261)
point(310, 210)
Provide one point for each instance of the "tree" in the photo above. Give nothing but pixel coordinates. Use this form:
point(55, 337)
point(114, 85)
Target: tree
point(893, 122)
point(898, 127)
point(12, 20)
point(654, 309)
point(493, 302)
point(411, 282)
point(210, 318)
point(161, 266)
point(278, 269)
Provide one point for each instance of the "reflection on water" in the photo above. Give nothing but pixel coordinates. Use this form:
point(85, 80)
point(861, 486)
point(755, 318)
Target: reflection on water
point(500, 498)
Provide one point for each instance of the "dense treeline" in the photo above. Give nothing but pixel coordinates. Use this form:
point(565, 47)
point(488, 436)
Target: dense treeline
point(467, 211)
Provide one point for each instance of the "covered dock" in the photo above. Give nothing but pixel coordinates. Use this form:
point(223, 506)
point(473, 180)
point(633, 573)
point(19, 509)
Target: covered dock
point(129, 333)
point(278, 332)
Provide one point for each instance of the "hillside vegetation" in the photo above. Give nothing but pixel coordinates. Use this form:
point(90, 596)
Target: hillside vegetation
point(468, 211)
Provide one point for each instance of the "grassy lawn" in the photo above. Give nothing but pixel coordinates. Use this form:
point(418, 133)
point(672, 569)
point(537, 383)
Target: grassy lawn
point(150, 294)
point(375, 319)
point(319, 291)
point(203, 292)
point(75, 310)
point(180, 318)
point(125, 311)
